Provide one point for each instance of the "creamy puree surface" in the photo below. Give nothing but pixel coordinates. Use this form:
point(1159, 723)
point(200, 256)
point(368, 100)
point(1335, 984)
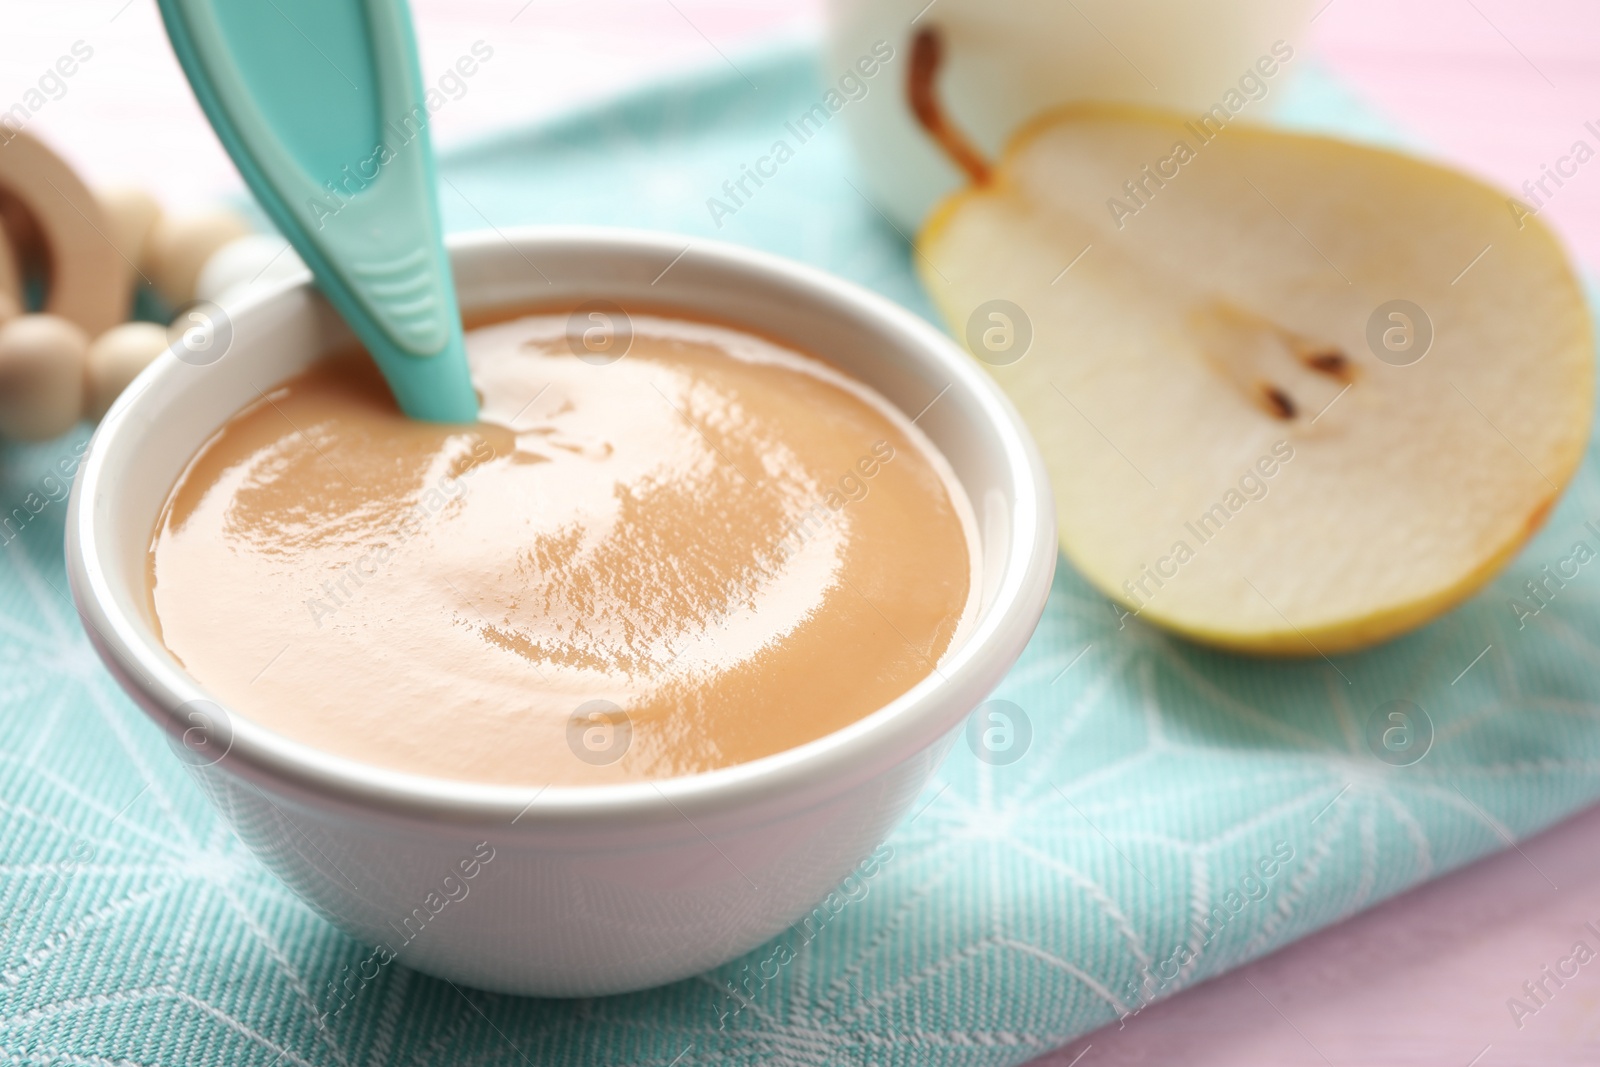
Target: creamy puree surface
point(710, 550)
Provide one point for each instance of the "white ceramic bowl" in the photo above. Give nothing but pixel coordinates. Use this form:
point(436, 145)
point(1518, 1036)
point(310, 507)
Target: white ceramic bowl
point(584, 890)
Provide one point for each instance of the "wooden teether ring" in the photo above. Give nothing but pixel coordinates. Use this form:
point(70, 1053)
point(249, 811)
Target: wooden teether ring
point(86, 276)
point(11, 302)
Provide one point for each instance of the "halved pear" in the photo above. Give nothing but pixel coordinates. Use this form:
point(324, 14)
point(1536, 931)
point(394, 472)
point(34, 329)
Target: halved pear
point(1296, 395)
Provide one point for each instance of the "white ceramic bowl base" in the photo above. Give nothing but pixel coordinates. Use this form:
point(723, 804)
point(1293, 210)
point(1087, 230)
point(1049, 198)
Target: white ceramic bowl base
point(571, 891)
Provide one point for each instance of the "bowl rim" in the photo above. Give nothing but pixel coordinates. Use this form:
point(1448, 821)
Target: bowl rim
point(825, 766)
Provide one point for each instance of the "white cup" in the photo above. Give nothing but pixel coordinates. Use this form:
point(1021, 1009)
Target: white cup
point(567, 891)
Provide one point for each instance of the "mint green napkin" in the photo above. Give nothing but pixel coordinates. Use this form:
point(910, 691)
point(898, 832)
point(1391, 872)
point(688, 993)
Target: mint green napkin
point(1145, 814)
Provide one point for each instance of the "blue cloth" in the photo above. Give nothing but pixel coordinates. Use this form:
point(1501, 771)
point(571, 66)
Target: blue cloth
point(1156, 814)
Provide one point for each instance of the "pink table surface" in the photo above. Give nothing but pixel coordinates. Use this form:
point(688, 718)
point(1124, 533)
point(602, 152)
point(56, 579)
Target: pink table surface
point(1498, 87)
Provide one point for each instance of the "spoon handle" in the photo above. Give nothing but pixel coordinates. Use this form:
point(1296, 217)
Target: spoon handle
point(321, 105)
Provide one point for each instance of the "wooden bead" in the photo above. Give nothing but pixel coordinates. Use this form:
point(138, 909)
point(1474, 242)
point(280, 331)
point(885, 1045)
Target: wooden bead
point(42, 360)
point(257, 259)
point(131, 216)
point(116, 357)
point(179, 248)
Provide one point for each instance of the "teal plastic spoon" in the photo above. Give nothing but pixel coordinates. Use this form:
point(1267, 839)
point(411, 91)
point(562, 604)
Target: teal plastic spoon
point(320, 103)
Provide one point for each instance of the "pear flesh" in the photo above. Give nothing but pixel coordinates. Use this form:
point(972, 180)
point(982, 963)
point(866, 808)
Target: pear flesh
point(1296, 395)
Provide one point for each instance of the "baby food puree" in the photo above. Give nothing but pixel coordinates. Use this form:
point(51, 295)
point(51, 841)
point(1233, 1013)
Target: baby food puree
point(708, 550)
